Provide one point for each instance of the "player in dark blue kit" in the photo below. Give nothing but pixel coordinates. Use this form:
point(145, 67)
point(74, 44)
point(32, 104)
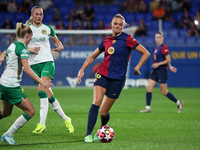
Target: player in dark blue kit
point(159, 73)
point(110, 76)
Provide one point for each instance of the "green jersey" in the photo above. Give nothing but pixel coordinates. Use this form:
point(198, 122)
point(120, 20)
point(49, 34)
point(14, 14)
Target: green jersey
point(40, 39)
point(12, 74)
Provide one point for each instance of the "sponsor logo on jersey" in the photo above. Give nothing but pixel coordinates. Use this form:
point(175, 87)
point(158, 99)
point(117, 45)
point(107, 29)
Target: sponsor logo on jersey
point(166, 50)
point(44, 31)
point(46, 71)
point(114, 41)
point(111, 50)
point(25, 51)
point(38, 39)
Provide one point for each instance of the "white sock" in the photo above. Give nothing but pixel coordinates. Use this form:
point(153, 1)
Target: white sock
point(56, 107)
point(178, 103)
point(148, 107)
point(44, 105)
point(16, 125)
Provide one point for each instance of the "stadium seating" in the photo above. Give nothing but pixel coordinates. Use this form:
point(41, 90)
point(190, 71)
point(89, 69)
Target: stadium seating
point(173, 33)
point(106, 12)
point(191, 40)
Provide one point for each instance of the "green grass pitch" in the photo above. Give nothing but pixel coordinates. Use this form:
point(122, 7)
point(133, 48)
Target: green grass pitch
point(162, 129)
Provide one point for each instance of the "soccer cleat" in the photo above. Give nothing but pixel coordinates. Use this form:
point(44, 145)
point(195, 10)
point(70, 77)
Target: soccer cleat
point(39, 129)
point(89, 139)
point(180, 107)
point(8, 139)
point(95, 137)
point(145, 111)
point(69, 125)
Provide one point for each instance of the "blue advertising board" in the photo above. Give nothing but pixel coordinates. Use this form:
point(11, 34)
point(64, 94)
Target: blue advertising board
point(70, 60)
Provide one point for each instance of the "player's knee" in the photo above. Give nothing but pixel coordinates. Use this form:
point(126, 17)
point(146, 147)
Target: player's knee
point(103, 113)
point(97, 102)
point(149, 88)
point(164, 92)
point(3, 115)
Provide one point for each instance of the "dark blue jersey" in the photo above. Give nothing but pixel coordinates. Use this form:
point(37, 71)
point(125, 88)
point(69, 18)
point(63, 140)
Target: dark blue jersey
point(117, 51)
point(159, 55)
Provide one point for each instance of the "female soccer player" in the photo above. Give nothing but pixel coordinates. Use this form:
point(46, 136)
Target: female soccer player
point(42, 63)
point(110, 76)
point(11, 93)
point(159, 74)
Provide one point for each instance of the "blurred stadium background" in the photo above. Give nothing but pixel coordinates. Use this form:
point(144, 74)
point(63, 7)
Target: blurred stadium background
point(79, 43)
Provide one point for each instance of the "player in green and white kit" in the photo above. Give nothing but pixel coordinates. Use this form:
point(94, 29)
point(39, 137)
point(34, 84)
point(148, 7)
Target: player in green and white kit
point(42, 63)
point(11, 93)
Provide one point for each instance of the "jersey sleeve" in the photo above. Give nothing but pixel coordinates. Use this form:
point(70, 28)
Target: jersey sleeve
point(101, 47)
point(52, 32)
point(165, 50)
point(22, 51)
point(131, 42)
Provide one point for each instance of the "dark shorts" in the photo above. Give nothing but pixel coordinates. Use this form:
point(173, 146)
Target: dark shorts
point(113, 86)
point(45, 69)
point(159, 75)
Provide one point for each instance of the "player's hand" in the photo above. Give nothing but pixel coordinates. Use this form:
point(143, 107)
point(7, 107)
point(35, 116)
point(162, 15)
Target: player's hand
point(57, 49)
point(136, 71)
point(80, 76)
point(173, 69)
point(155, 65)
point(47, 83)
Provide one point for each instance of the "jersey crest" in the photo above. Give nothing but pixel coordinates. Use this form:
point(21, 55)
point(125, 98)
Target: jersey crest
point(44, 31)
point(111, 50)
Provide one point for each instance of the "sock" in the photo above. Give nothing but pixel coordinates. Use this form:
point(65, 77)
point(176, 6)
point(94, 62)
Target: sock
point(43, 107)
point(92, 118)
point(148, 99)
point(51, 99)
point(104, 120)
point(171, 97)
point(178, 103)
point(18, 124)
point(56, 107)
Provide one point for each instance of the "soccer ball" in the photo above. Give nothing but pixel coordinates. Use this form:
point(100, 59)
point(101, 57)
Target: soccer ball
point(105, 134)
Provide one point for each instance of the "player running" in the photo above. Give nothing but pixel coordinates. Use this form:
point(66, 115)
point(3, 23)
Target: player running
point(11, 93)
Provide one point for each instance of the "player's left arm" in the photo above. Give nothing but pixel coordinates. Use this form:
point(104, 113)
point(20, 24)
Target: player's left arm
point(2, 57)
point(172, 68)
point(145, 55)
point(58, 44)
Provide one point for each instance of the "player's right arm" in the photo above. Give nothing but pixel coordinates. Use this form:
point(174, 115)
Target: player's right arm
point(87, 62)
point(32, 74)
point(2, 57)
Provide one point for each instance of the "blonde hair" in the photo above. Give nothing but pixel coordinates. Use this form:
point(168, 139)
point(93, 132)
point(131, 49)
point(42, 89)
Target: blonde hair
point(30, 20)
point(22, 29)
point(123, 19)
